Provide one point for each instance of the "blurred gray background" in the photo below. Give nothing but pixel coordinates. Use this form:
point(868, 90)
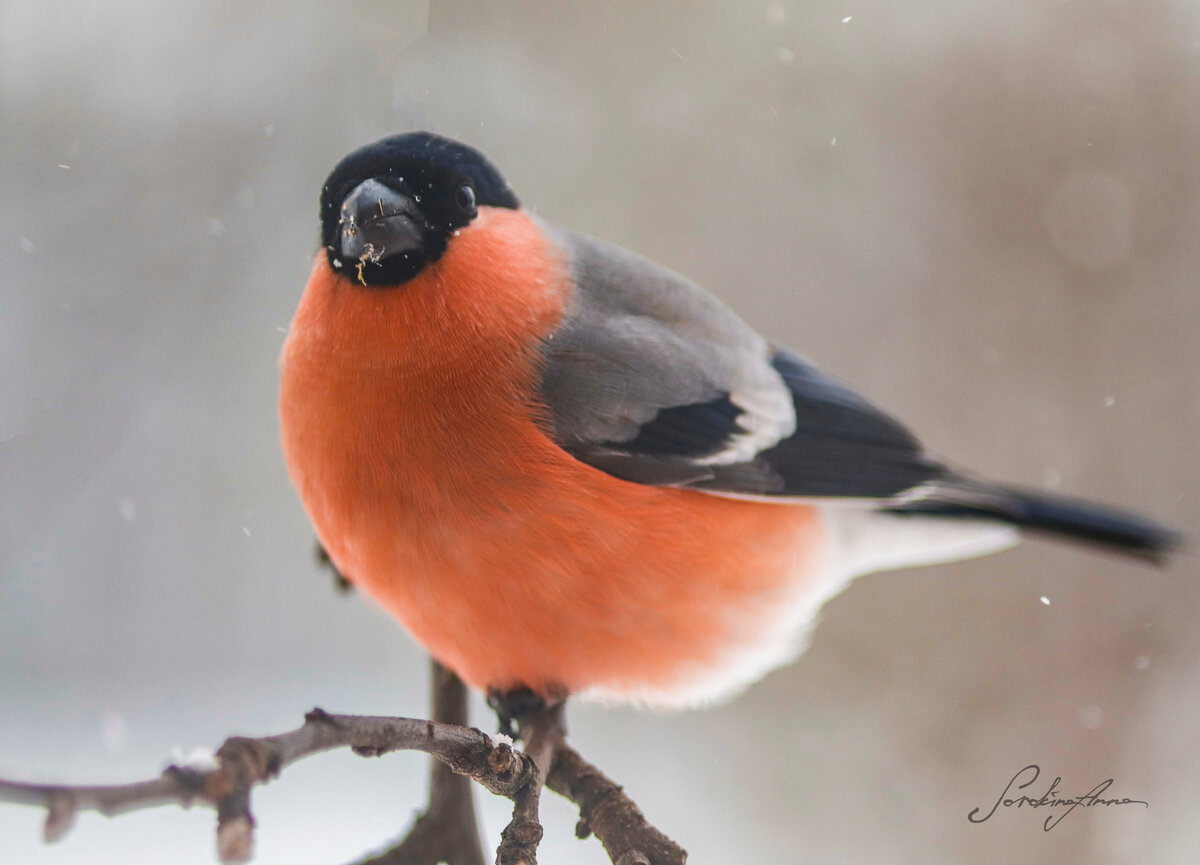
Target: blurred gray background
point(982, 214)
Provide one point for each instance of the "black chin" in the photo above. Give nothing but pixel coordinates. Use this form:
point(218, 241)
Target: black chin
point(386, 272)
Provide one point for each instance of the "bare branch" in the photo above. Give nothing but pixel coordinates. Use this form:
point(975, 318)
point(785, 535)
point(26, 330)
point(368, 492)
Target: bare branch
point(243, 763)
point(605, 810)
point(447, 831)
point(542, 732)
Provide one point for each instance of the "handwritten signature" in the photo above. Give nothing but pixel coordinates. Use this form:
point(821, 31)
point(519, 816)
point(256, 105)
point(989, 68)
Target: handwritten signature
point(1060, 805)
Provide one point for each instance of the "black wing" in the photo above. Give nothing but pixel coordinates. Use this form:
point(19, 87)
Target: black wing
point(842, 447)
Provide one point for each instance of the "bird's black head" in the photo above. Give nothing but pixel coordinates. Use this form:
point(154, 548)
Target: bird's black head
point(390, 208)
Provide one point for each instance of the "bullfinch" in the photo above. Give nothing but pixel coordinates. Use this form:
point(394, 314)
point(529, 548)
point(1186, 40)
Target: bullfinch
point(565, 468)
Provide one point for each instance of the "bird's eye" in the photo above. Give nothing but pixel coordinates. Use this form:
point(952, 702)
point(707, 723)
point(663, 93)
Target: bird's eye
point(465, 198)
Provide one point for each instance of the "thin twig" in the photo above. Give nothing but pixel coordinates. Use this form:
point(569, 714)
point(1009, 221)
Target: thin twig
point(606, 812)
point(542, 732)
point(447, 831)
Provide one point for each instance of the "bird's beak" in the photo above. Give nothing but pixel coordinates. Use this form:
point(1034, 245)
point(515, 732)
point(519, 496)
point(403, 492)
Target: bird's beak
point(378, 222)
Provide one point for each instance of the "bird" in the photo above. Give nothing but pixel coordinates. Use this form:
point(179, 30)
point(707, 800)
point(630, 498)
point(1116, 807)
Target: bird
point(568, 470)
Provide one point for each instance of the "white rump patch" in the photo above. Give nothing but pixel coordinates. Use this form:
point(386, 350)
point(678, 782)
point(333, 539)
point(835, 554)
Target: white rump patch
point(869, 540)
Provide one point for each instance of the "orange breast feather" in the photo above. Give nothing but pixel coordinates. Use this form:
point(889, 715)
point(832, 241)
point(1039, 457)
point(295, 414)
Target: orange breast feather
point(412, 432)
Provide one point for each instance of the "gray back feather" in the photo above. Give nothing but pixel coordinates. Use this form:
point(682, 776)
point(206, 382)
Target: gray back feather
point(638, 338)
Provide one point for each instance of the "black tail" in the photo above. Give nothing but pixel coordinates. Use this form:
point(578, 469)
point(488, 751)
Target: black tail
point(1053, 515)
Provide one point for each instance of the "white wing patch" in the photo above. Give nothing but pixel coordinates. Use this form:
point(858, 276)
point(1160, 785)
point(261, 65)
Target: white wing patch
point(768, 416)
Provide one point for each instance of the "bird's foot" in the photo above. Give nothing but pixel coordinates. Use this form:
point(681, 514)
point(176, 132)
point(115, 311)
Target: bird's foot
point(514, 704)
